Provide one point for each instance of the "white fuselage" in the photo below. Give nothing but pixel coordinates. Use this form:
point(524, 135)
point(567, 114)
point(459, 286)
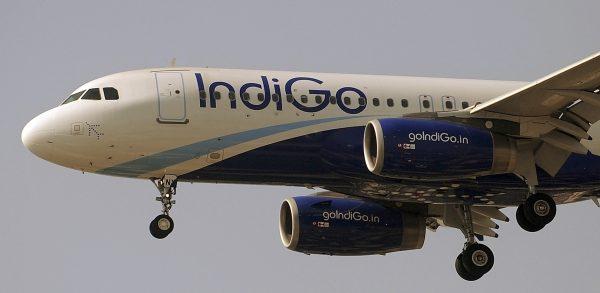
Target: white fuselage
point(160, 111)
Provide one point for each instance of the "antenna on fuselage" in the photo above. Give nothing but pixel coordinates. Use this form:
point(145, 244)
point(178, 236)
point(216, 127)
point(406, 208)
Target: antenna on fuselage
point(173, 62)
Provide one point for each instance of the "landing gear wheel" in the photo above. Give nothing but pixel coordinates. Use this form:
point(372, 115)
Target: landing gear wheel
point(161, 226)
point(477, 259)
point(539, 209)
point(462, 271)
point(524, 223)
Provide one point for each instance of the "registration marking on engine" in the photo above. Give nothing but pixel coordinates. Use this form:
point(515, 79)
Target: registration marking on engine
point(322, 224)
point(407, 146)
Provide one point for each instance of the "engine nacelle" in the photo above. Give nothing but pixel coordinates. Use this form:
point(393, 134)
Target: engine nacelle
point(343, 226)
point(434, 149)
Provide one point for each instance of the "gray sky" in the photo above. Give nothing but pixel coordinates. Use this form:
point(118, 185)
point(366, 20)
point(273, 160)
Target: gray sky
point(68, 232)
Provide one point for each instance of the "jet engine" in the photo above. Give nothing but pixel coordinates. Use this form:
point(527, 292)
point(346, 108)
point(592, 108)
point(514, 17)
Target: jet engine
point(344, 226)
point(409, 148)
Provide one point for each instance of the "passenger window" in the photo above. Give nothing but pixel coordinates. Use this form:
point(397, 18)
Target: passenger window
point(275, 98)
point(426, 104)
point(290, 98)
point(449, 105)
point(332, 100)
point(261, 97)
point(304, 99)
point(217, 95)
point(404, 103)
point(232, 96)
point(73, 97)
point(318, 99)
point(465, 105)
point(376, 102)
point(110, 93)
point(362, 101)
point(347, 101)
point(246, 96)
point(202, 95)
point(92, 94)
point(390, 103)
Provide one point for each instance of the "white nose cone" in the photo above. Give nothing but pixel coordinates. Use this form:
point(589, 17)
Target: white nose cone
point(28, 135)
point(38, 135)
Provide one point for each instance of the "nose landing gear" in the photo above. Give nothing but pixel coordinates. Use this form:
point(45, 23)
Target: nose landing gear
point(163, 224)
point(538, 210)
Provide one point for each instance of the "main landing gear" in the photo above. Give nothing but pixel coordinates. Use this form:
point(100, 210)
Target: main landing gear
point(163, 224)
point(476, 259)
point(538, 210)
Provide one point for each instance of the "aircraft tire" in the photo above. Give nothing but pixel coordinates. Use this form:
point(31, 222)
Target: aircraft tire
point(161, 226)
point(477, 259)
point(462, 271)
point(539, 209)
point(525, 223)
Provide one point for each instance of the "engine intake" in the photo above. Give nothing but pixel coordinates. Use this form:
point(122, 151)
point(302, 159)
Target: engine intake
point(343, 226)
point(434, 149)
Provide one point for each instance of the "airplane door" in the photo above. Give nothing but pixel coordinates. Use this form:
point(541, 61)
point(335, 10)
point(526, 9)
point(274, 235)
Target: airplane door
point(171, 97)
point(426, 103)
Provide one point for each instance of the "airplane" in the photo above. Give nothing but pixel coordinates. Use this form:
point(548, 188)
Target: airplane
point(396, 156)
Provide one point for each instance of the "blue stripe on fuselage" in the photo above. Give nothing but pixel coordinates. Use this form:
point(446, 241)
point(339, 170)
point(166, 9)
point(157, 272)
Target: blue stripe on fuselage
point(181, 154)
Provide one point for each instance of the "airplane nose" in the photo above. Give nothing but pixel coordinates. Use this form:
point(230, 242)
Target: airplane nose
point(38, 135)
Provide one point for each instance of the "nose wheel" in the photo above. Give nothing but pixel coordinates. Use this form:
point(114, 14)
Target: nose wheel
point(163, 224)
point(538, 210)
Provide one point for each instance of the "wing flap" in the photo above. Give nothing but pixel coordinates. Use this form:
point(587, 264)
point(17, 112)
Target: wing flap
point(564, 141)
point(586, 111)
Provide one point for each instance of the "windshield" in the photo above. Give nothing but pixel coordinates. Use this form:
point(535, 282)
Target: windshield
point(73, 97)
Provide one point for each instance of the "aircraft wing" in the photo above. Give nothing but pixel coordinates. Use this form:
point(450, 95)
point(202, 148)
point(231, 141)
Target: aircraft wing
point(550, 117)
point(555, 92)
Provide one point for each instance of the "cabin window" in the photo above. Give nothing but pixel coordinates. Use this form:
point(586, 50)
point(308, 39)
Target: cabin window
point(290, 98)
point(390, 103)
point(465, 105)
point(449, 105)
point(404, 103)
point(318, 99)
point(73, 97)
point(304, 99)
point(110, 93)
point(376, 102)
point(426, 104)
point(246, 96)
point(217, 95)
point(332, 100)
point(261, 97)
point(275, 98)
point(347, 101)
point(92, 94)
point(362, 101)
point(232, 96)
point(202, 95)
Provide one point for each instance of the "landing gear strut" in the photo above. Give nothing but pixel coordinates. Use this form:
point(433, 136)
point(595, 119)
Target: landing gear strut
point(538, 210)
point(163, 224)
point(476, 259)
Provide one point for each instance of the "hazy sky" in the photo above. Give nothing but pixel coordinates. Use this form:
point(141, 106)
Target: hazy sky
point(68, 232)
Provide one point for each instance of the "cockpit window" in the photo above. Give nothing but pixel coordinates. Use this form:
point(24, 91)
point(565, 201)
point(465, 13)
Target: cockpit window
point(92, 94)
point(73, 97)
point(110, 93)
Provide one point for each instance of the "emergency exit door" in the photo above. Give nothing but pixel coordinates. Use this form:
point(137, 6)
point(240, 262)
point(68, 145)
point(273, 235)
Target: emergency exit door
point(171, 97)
